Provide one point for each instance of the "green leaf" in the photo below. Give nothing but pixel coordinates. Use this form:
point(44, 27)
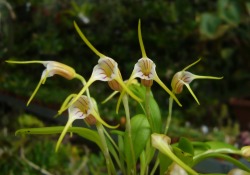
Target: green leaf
point(186, 157)
point(140, 133)
point(165, 162)
point(220, 145)
point(185, 145)
point(83, 132)
point(229, 11)
point(209, 24)
point(155, 115)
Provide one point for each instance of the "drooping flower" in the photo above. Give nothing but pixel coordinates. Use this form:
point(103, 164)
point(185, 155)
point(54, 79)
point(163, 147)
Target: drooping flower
point(83, 108)
point(162, 143)
point(106, 70)
point(52, 68)
point(145, 70)
point(185, 78)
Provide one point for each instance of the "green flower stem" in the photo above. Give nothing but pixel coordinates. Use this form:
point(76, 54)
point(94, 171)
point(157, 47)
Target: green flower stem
point(116, 157)
point(79, 77)
point(170, 107)
point(128, 129)
point(110, 165)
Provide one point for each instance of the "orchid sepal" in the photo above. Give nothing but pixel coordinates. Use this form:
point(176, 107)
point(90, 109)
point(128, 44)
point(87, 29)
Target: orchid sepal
point(52, 68)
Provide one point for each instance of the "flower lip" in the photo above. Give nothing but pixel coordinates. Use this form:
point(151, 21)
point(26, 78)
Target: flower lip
point(179, 80)
point(82, 108)
point(145, 69)
point(105, 70)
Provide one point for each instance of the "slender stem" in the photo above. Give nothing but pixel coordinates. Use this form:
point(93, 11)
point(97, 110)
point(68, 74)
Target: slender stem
point(78, 76)
point(155, 167)
point(170, 107)
point(110, 166)
point(128, 129)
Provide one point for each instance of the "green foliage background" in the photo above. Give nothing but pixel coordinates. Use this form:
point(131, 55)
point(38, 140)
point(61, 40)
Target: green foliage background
point(175, 34)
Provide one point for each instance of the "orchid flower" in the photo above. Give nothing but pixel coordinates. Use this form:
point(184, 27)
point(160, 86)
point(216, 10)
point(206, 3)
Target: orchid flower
point(106, 70)
point(145, 70)
point(83, 108)
point(52, 68)
point(185, 78)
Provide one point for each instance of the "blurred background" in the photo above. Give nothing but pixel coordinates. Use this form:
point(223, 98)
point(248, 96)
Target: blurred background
point(175, 34)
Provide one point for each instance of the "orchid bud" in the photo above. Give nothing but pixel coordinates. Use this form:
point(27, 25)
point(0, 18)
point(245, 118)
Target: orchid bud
point(245, 151)
point(184, 77)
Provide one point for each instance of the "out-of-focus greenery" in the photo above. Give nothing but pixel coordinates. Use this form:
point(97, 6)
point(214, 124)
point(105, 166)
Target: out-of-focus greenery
point(175, 33)
point(36, 155)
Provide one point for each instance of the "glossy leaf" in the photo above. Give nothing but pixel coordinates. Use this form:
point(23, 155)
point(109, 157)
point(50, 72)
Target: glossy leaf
point(83, 132)
point(186, 157)
point(140, 133)
point(209, 25)
point(220, 145)
point(229, 11)
point(155, 113)
point(165, 162)
point(185, 145)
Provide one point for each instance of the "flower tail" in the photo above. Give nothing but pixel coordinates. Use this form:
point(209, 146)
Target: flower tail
point(87, 41)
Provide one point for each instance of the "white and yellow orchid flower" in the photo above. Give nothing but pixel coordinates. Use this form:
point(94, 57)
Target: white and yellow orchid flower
point(185, 78)
point(83, 108)
point(106, 70)
point(52, 68)
point(145, 70)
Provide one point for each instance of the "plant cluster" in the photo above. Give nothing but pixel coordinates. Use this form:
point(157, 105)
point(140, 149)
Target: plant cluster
point(144, 146)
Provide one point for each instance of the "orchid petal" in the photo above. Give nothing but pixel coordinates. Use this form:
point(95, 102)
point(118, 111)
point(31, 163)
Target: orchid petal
point(119, 101)
point(191, 64)
point(144, 55)
point(157, 79)
point(91, 80)
point(42, 81)
point(120, 81)
point(65, 129)
point(206, 77)
point(192, 93)
point(25, 62)
point(110, 96)
point(66, 102)
point(87, 41)
point(99, 119)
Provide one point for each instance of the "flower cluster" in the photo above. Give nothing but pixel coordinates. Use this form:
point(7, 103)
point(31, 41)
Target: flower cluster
point(143, 142)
